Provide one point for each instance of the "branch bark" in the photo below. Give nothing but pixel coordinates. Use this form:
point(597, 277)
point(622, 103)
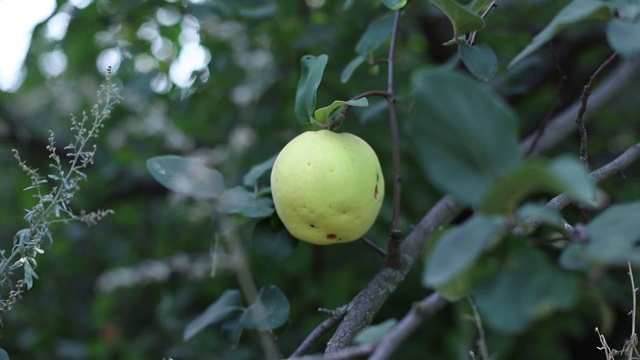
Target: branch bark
point(370, 299)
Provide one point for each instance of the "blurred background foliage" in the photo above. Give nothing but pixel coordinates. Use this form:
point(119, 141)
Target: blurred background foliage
point(216, 79)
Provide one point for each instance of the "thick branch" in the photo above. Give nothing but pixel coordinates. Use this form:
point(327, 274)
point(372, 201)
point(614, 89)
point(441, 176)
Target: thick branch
point(367, 303)
point(425, 308)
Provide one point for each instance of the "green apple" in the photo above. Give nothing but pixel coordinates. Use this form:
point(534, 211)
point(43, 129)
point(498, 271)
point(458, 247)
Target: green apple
point(327, 187)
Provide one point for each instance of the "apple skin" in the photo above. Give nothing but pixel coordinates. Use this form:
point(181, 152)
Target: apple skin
point(327, 187)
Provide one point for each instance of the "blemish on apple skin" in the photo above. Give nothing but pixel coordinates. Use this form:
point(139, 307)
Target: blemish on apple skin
point(311, 225)
point(375, 190)
point(331, 236)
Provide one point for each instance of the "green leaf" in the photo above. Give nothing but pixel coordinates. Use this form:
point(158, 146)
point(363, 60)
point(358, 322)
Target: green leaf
point(251, 178)
point(374, 333)
point(272, 242)
point(576, 11)
point(394, 4)
point(322, 114)
point(377, 33)
point(625, 10)
point(229, 303)
point(540, 212)
point(481, 61)
point(613, 237)
point(351, 67)
point(624, 37)
point(465, 135)
point(563, 174)
point(460, 247)
point(232, 330)
point(462, 20)
point(478, 6)
point(312, 70)
point(575, 179)
point(269, 311)
point(528, 287)
point(239, 201)
point(189, 176)
point(464, 282)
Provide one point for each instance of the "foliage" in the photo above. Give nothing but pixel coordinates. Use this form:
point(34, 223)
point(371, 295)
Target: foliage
point(194, 263)
point(54, 194)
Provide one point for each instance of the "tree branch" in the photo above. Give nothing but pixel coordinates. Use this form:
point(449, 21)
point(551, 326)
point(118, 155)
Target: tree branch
point(615, 167)
point(584, 98)
point(320, 330)
point(418, 314)
point(370, 299)
point(564, 123)
point(395, 236)
point(434, 302)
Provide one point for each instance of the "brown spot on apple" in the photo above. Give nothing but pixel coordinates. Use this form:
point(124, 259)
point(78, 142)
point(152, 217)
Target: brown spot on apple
point(331, 236)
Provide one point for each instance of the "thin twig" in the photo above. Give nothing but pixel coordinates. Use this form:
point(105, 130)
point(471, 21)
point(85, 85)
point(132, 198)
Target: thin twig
point(482, 342)
point(613, 168)
point(317, 333)
point(584, 98)
point(395, 235)
point(630, 346)
point(556, 103)
point(416, 316)
point(374, 246)
point(345, 109)
point(493, 4)
point(563, 124)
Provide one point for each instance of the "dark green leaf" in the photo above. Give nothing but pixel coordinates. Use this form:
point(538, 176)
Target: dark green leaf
point(251, 178)
point(613, 237)
point(374, 333)
point(189, 176)
point(462, 20)
point(460, 247)
point(624, 37)
point(563, 174)
point(270, 310)
point(478, 6)
point(541, 213)
point(576, 11)
point(322, 114)
point(481, 61)
point(465, 136)
point(506, 194)
point(528, 287)
point(464, 282)
point(272, 242)
point(351, 67)
point(312, 70)
point(394, 4)
point(377, 33)
point(239, 201)
point(229, 303)
point(575, 179)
